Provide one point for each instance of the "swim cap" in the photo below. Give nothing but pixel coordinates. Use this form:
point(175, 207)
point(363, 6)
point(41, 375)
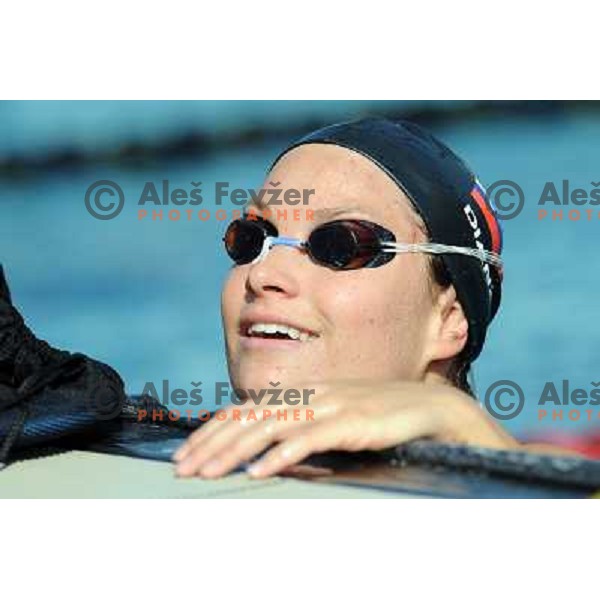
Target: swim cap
point(447, 196)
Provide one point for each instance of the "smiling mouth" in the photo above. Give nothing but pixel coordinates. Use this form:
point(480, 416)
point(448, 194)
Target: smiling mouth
point(277, 331)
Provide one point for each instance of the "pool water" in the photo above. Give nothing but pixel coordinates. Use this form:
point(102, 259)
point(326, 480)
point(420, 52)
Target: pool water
point(143, 295)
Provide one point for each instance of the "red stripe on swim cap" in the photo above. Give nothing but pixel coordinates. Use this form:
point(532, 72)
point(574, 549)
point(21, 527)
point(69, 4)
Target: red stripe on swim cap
point(490, 219)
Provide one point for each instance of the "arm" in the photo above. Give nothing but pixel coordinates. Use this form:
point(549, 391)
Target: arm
point(351, 416)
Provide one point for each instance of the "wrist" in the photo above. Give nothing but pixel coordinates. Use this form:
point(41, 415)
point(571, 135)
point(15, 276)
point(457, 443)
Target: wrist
point(462, 420)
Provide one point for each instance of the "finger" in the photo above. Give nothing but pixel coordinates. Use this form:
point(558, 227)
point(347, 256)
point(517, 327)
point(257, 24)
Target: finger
point(325, 408)
point(289, 417)
point(291, 451)
point(206, 431)
point(198, 452)
point(235, 444)
point(252, 442)
point(219, 462)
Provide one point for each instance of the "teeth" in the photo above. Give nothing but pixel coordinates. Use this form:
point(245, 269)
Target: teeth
point(270, 328)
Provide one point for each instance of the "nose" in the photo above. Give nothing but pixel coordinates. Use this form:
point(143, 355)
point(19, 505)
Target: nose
point(276, 273)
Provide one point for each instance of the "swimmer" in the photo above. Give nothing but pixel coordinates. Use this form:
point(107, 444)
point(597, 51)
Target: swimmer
point(380, 303)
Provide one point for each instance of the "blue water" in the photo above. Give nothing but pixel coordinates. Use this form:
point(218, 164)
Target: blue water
point(143, 296)
point(34, 128)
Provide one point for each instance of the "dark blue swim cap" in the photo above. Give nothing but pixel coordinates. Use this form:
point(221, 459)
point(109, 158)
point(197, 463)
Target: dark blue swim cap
point(447, 196)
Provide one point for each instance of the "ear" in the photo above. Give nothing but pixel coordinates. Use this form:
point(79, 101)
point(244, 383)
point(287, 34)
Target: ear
point(449, 327)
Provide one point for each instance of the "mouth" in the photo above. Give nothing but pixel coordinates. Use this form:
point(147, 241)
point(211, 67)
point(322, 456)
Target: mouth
point(272, 330)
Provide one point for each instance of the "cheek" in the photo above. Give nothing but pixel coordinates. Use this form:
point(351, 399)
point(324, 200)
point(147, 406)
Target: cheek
point(348, 305)
point(378, 315)
point(379, 296)
point(232, 298)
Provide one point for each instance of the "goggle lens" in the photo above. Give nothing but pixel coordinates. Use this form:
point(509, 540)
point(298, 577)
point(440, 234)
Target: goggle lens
point(343, 244)
point(244, 239)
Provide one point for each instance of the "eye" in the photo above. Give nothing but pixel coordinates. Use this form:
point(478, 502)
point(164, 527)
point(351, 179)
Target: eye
point(244, 238)
point(333, 244)
point(349, 244)
point(267, 226)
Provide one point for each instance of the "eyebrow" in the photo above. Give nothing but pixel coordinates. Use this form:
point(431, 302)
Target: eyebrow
point(320, 214)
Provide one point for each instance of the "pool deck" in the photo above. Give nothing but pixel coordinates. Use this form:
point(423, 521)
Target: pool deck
point(77, 474)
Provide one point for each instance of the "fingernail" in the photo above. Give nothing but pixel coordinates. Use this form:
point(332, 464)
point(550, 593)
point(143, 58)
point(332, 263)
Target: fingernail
point(255, 469)
point(211, 467)
point(180, 469)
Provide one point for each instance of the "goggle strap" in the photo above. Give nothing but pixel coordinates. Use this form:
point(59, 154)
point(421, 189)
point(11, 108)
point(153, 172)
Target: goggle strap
point(396, 248)
point(430, 248)
point(271, 241)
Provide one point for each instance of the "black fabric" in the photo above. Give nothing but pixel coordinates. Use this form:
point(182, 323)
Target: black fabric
point(47, 393)
point(137, 433)
point(569, 471)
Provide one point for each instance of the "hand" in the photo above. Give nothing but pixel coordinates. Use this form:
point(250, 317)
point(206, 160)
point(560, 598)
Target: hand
point(350, 415)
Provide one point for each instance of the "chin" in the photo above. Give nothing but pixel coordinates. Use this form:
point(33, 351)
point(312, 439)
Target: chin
point(261, 377)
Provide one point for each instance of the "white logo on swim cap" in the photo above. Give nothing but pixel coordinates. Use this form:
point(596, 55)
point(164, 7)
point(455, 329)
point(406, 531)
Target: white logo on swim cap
point(477, 233)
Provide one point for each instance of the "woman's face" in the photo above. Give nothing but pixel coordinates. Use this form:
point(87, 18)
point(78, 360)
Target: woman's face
point(369, 323)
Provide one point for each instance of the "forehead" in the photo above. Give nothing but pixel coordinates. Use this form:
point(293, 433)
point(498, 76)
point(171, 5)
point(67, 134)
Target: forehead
point(345, 181)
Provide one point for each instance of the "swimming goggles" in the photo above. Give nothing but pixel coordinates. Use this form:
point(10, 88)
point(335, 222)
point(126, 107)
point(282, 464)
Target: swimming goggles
point(343, 244)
